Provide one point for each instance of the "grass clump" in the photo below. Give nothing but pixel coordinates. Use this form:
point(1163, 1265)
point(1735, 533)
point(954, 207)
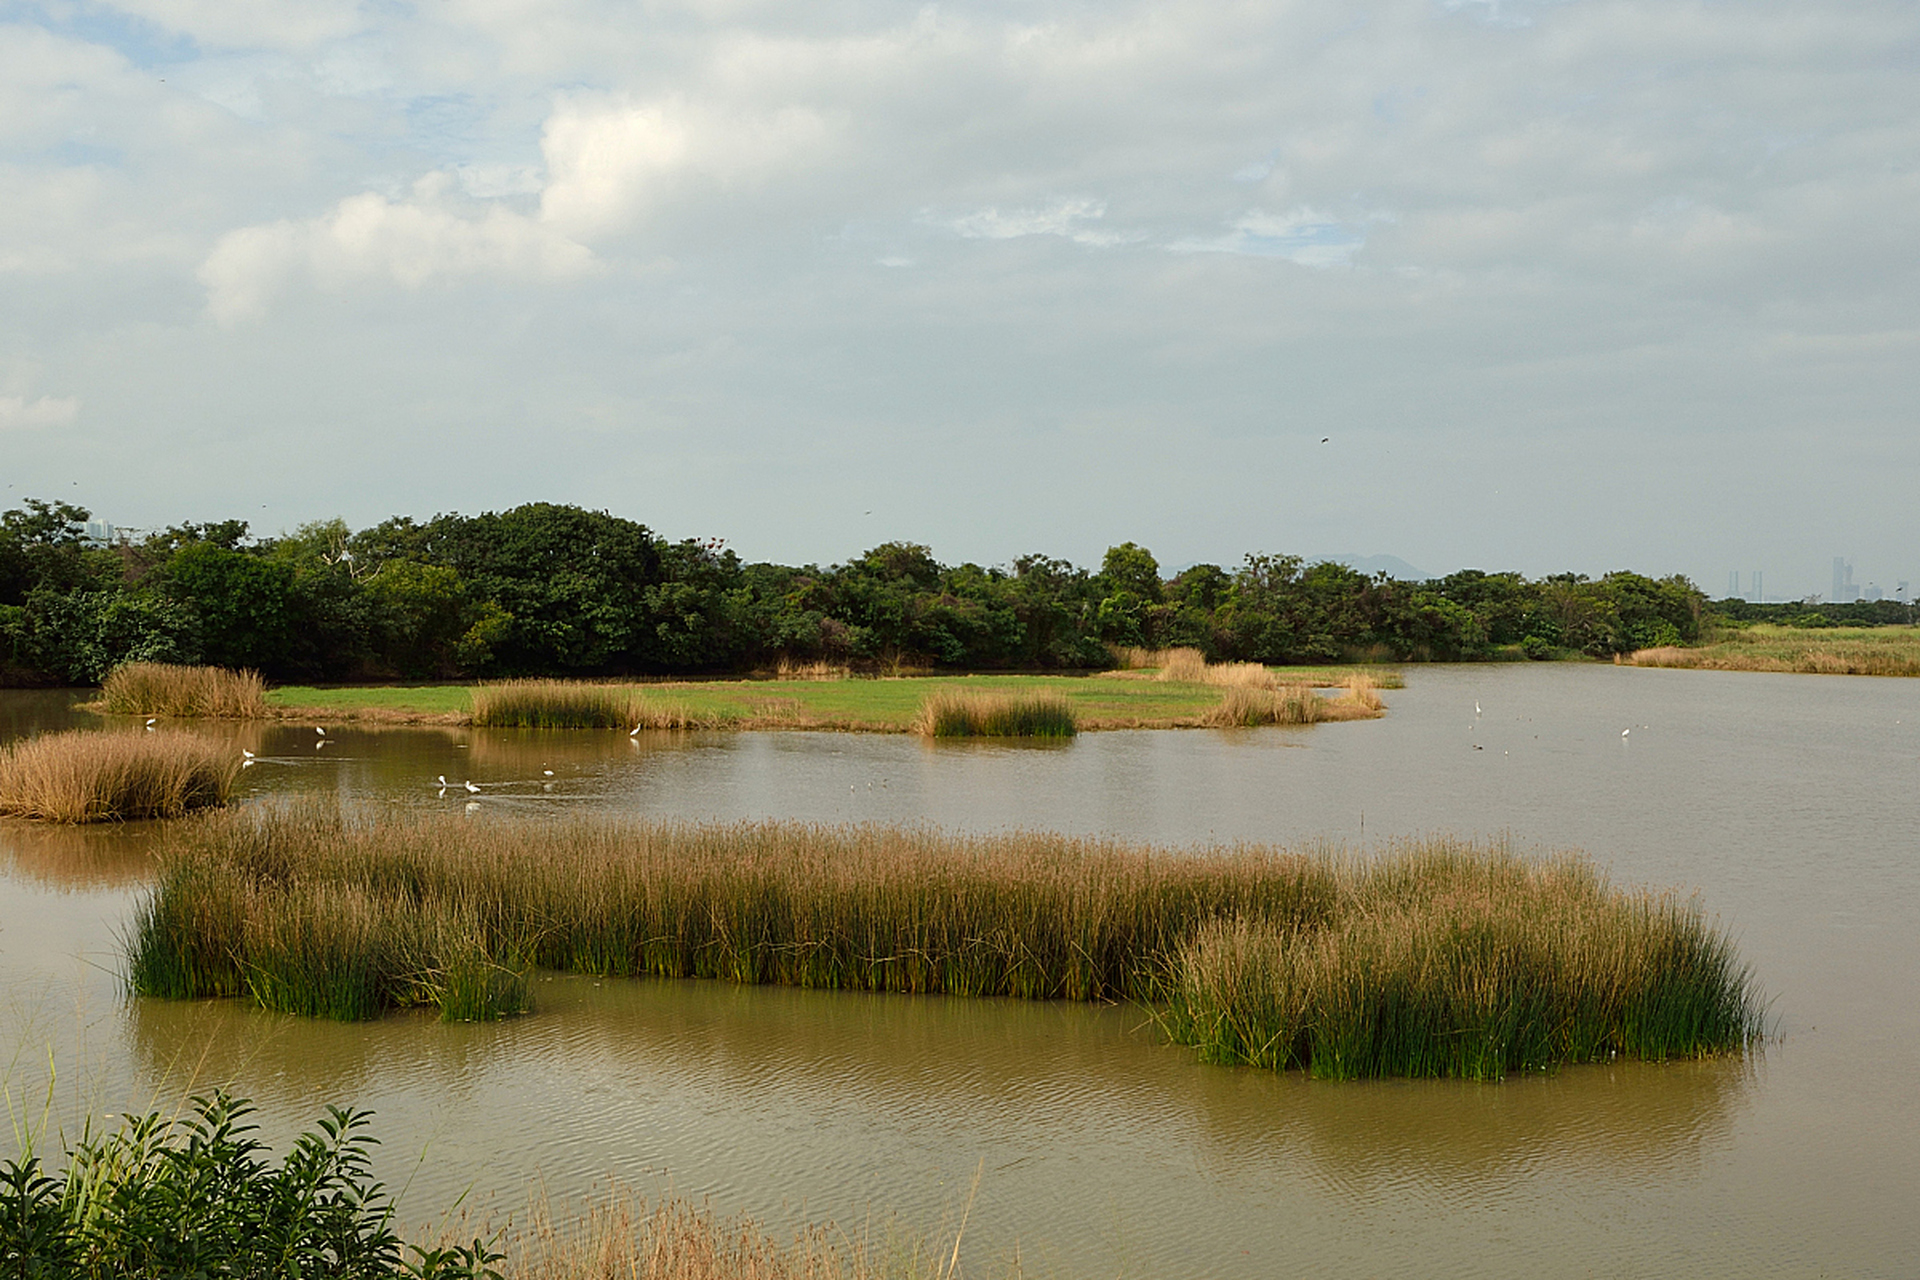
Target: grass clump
point(554, 704)
point(958, 713)
point(1439, 958)
point(573, 704)
point(1243, 707)
point(163, 689)
point(83, 775)
point(1464, 964)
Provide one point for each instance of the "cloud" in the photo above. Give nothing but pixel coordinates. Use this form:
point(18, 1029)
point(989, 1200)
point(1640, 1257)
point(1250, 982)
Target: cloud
point(611, 160)
point(1066, 218)
point(18, 412)
point(1305, 237)
point(367, 239)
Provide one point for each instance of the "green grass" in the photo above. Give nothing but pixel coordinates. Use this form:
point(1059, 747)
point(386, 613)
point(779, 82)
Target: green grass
point(1105, 701)
point(1842, 651)
point(1439, 958)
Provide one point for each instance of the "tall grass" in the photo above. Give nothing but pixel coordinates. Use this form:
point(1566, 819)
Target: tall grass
point(1244, 707)
point(953, 713)
point(162, 689)
point(573, 704)
point(84, 775)
point(1838, 651)
point(1440, 958)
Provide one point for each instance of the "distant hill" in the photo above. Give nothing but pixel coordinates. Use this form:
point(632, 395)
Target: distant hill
point(1392, 566)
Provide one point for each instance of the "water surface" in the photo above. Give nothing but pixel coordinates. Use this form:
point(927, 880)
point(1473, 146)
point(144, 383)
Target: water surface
point(1787, 802)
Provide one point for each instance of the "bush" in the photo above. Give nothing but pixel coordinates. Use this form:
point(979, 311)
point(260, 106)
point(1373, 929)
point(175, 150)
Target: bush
point(198, 1198)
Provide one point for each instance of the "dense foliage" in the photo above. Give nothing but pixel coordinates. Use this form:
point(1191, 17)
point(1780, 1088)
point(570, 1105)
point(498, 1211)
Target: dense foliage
point(556, 590)
point(198, 1198)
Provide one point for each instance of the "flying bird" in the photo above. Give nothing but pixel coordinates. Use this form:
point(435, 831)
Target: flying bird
point(1324, 439)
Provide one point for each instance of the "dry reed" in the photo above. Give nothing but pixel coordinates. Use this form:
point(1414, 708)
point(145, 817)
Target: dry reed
point(162, 689)
point(787, 669)
point(1440, 958)
point(622, 1235)
point(1858, 653)
point(84, 775)
point(1243, 707)
point(956, 713)
point(574, 704)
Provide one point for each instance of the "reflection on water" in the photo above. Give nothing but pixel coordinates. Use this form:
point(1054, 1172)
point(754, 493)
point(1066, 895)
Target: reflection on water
point(1787, 802)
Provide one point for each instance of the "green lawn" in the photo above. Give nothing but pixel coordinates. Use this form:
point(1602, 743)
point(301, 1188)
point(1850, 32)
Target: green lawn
point(1109, 700)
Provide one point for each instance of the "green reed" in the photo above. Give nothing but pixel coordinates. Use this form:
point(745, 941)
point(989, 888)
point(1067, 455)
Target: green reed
point(1438, 959)
point(956, 713)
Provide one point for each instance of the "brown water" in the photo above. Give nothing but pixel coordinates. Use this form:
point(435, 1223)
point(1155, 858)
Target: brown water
point(1789, 803)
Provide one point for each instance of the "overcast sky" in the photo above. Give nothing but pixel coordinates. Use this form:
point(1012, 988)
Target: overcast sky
point(1533, 285)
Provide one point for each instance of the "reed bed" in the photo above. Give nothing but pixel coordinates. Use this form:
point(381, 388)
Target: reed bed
point(953, 713)
point(163, 689)
point(83, 775)
point(1438, 959)
point(1243, 707)
point(574, 704)
point(1840, 651)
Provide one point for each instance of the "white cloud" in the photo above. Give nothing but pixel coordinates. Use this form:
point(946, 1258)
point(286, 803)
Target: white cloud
point(18, 412)
point(274, 24)
point(369, 239)
point(610, 159)
point(1305, 237)
point(1068, 218)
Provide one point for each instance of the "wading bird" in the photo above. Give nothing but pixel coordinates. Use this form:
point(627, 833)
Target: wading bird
point(471, 789)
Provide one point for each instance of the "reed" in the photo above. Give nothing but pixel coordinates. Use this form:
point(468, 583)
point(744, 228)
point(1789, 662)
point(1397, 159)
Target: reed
point(163, 689)
point(83, 775)
point(1438, 959)
point(574, 704)
point(1362, 690)
point(1837, 651)
point(1243, 707)
point(1465, 964)
point(955, 713)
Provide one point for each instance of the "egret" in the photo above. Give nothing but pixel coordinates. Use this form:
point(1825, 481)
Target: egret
point(471, 789)
point(151, 720)
point(248, 754)
point(547, 772)
point(1476, 706)
point(1625, 732)
point(634, 732)
point(442, 780)
point(321, 730)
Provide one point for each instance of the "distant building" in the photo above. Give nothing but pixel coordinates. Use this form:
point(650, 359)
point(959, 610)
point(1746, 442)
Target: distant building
point(1872, 593)
point(98, 533)
point(1844, 592)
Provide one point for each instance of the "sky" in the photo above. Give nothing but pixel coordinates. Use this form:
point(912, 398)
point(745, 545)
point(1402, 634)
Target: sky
point(1545, 286)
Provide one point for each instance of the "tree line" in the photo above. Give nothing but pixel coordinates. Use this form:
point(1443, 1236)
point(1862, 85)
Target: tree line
point(547, 589)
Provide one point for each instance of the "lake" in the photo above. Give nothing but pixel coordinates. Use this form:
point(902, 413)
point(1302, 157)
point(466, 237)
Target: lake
point(1789, 804)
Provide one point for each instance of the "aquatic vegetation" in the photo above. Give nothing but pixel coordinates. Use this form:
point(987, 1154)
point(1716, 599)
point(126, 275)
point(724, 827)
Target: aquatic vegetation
point(1837, 651)
point(958, 713)
point(573, 704)
point(1244, 707)
point(83, 775)
point(163, 689)
point(1437, 958)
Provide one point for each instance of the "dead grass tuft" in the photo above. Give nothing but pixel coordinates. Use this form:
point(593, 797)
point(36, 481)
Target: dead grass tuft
point(84, 775)
point(163, 689)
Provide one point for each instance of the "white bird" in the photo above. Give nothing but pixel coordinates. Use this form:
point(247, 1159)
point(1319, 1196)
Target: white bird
point(151, 720)
point(548, 772)
point(1625, 732)
point(1476, 706)
point(442, 780)
point(248, 754)
point(634, 732)
point(320, 730)
point(471, 789)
